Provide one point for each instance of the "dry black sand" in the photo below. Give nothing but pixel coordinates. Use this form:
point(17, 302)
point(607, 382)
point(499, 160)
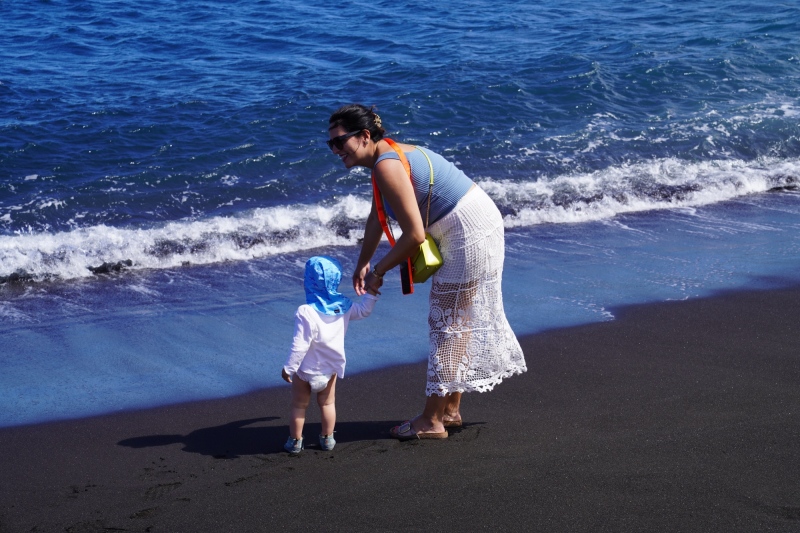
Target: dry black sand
point(680, 416)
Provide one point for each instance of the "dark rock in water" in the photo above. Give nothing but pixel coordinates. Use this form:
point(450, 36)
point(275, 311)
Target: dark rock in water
point(784, 188)
point(166, 248)
point(505, 209)
point(107, 268)
point(784, 182)
point(342, 225)
point(17, 277)
point(246, 241)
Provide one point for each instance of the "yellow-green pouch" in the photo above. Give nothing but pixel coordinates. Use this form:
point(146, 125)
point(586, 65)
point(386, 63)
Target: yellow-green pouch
point(426, 261)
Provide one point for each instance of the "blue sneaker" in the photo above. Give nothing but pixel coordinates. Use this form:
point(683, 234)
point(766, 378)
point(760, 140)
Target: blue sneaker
point(327, 442)
point(294, 446)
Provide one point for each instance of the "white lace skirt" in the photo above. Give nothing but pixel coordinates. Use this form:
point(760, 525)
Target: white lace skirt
point(472, 347)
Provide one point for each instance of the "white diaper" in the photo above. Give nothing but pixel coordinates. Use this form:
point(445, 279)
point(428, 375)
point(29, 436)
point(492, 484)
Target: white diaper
point(319, 382)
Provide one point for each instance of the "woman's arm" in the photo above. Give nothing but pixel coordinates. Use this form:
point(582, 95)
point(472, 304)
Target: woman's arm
point(397, 190)
point(372, 237)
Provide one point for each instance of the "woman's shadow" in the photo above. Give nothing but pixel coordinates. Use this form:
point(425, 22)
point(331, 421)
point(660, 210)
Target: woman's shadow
point(244, 437)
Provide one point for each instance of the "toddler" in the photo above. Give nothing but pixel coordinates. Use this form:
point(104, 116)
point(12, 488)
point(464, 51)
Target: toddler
point(316, 358)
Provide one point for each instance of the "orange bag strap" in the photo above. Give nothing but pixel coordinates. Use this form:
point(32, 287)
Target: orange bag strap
point(387, 229)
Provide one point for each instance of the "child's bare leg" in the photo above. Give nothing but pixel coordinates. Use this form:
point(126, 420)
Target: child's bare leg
point(326, 398)
point(301, 395)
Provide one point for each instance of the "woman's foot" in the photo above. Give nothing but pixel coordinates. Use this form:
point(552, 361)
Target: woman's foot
point(417, 428)
point(406, 432)
point(452, 421)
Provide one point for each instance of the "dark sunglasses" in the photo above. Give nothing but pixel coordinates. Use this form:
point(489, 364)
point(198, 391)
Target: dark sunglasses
point(338, 142)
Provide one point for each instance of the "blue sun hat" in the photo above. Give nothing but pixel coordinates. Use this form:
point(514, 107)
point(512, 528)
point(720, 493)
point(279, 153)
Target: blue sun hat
point(323, 275)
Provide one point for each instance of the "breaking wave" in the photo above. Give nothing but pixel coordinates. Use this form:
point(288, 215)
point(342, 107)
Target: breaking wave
point(603, 194)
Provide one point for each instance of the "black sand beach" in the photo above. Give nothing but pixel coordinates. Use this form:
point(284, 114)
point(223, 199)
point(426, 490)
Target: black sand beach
point(680, 416)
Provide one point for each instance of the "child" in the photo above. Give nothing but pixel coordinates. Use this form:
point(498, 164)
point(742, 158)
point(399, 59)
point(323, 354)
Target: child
point(317, 355)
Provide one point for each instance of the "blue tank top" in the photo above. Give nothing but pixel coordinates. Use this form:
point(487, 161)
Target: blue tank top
point(450, 184)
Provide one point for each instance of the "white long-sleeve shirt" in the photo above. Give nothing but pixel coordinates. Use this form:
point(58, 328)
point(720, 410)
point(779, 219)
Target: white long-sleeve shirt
point(318, 344)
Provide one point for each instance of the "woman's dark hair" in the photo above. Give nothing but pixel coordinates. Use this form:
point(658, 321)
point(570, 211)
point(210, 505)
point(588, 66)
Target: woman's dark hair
point(356, 117)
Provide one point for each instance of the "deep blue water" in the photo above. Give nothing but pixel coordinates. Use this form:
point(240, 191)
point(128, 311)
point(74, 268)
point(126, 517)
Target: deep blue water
point(639, 152)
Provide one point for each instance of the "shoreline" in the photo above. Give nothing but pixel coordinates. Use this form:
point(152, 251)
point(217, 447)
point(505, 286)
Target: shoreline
point(78, 350)
point(680, 415)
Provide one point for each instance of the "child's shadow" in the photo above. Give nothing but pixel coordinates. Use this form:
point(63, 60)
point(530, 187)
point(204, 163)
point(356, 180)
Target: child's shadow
point(236, 439)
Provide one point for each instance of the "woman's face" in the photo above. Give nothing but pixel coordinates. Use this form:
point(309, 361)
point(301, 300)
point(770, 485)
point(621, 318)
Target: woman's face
point(349, 151)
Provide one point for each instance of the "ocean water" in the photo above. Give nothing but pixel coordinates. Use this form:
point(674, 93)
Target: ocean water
point(164, 176)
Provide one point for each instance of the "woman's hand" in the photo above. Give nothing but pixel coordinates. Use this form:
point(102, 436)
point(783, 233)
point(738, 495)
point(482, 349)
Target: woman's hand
point(359, 279)
point(286, 377)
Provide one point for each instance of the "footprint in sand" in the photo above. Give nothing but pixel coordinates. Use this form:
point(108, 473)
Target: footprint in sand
point(160, 490)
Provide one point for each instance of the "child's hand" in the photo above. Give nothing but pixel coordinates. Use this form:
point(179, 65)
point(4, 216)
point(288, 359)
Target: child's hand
point(371, 291)
point(286, 377)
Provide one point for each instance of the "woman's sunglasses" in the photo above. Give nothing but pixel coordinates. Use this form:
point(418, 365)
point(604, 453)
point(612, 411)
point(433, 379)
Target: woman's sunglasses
point(338, 142)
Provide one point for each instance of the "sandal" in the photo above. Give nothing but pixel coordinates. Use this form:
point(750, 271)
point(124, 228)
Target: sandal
point(452, 423)
point(404, 432)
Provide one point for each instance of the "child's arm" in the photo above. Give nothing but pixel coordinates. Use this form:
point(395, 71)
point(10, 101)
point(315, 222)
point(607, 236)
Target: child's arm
point(363, 308)
point(300, 344)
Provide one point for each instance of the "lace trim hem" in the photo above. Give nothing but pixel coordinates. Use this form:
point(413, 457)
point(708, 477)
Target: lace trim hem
point(483, 385)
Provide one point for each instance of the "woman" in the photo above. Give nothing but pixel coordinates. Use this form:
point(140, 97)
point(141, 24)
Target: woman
point(472, 347)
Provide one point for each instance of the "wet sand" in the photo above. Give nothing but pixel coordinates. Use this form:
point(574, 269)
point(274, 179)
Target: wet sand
point(678, 416)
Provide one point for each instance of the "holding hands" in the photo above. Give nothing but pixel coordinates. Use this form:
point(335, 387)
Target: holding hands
point(365, 280)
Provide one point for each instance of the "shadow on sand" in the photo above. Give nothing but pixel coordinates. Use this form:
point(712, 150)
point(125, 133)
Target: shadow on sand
point(247, 437)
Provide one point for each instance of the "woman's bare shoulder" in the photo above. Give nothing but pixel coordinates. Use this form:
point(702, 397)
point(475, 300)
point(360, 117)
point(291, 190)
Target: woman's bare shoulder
point(392, 166)
point(385, 147)
point(407, 147)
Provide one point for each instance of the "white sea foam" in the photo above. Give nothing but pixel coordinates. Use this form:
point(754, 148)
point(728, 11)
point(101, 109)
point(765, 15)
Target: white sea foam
point(229, 180)
point(661, 184)
point(658, 184)
point(258, 233)
point(51, 203)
